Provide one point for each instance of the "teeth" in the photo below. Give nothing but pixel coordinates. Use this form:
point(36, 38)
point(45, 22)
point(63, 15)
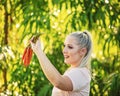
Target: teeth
point(66, 56)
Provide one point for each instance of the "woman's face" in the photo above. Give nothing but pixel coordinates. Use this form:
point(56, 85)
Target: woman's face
point(71, 51)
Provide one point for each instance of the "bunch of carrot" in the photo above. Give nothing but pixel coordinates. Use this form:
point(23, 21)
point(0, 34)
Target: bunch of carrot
point(27, 55)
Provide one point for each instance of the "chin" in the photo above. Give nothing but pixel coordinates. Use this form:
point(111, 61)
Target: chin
point(67, 62)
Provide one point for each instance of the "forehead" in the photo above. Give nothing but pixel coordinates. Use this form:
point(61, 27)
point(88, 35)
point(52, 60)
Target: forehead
point(70, 40)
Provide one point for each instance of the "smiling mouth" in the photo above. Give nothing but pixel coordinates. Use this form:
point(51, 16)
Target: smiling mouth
point(66, 57)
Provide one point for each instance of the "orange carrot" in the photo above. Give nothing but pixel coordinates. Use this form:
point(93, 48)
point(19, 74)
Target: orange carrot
point(30, 55)
point(27, 57)
point(24, 59)
point(24, 53)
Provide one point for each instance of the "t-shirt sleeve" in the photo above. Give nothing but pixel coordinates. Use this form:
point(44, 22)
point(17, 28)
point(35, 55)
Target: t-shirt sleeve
point(79, 77)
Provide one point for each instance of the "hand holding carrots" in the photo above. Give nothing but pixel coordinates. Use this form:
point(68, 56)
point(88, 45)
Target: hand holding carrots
point(36, 46)
point(27, 55)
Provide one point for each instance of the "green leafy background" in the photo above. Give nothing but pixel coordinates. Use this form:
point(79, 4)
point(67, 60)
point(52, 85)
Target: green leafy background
point(20, 19)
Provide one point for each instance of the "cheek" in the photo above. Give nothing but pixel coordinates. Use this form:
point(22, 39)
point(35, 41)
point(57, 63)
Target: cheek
point(75, 53)
point(75, 56)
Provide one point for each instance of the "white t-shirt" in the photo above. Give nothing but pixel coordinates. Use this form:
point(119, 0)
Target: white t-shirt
point(80, 78)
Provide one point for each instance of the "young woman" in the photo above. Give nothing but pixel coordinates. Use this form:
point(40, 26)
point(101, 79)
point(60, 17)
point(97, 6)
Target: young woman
point(77, 52)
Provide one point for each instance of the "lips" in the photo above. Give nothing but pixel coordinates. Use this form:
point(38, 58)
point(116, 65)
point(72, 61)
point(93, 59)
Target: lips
point(66, 56)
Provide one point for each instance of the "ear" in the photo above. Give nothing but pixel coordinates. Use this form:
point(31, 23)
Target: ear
point(83, 51)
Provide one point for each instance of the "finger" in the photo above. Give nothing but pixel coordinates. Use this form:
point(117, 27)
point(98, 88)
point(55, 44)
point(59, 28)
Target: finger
point(32, 39)
point(32, 45)
point(38, 40)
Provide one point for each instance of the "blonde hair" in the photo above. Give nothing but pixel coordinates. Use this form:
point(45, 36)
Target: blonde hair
point(85, 41)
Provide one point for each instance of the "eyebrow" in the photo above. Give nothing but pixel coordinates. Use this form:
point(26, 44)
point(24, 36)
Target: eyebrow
point(68, 44)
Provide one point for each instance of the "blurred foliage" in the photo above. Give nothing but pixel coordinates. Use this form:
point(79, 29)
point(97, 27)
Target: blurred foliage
point(20, 19)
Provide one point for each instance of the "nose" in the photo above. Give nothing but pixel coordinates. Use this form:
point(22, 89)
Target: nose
point(64, 50)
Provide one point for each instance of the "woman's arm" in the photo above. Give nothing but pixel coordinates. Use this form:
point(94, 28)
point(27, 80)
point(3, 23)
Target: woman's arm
point(59, 81)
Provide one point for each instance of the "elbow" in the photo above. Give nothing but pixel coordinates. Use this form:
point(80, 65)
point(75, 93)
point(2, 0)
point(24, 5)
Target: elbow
point(57, 84)
point(63, 83)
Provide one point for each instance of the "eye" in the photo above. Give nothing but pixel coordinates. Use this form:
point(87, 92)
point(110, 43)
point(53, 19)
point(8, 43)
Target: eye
point(70, 47)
